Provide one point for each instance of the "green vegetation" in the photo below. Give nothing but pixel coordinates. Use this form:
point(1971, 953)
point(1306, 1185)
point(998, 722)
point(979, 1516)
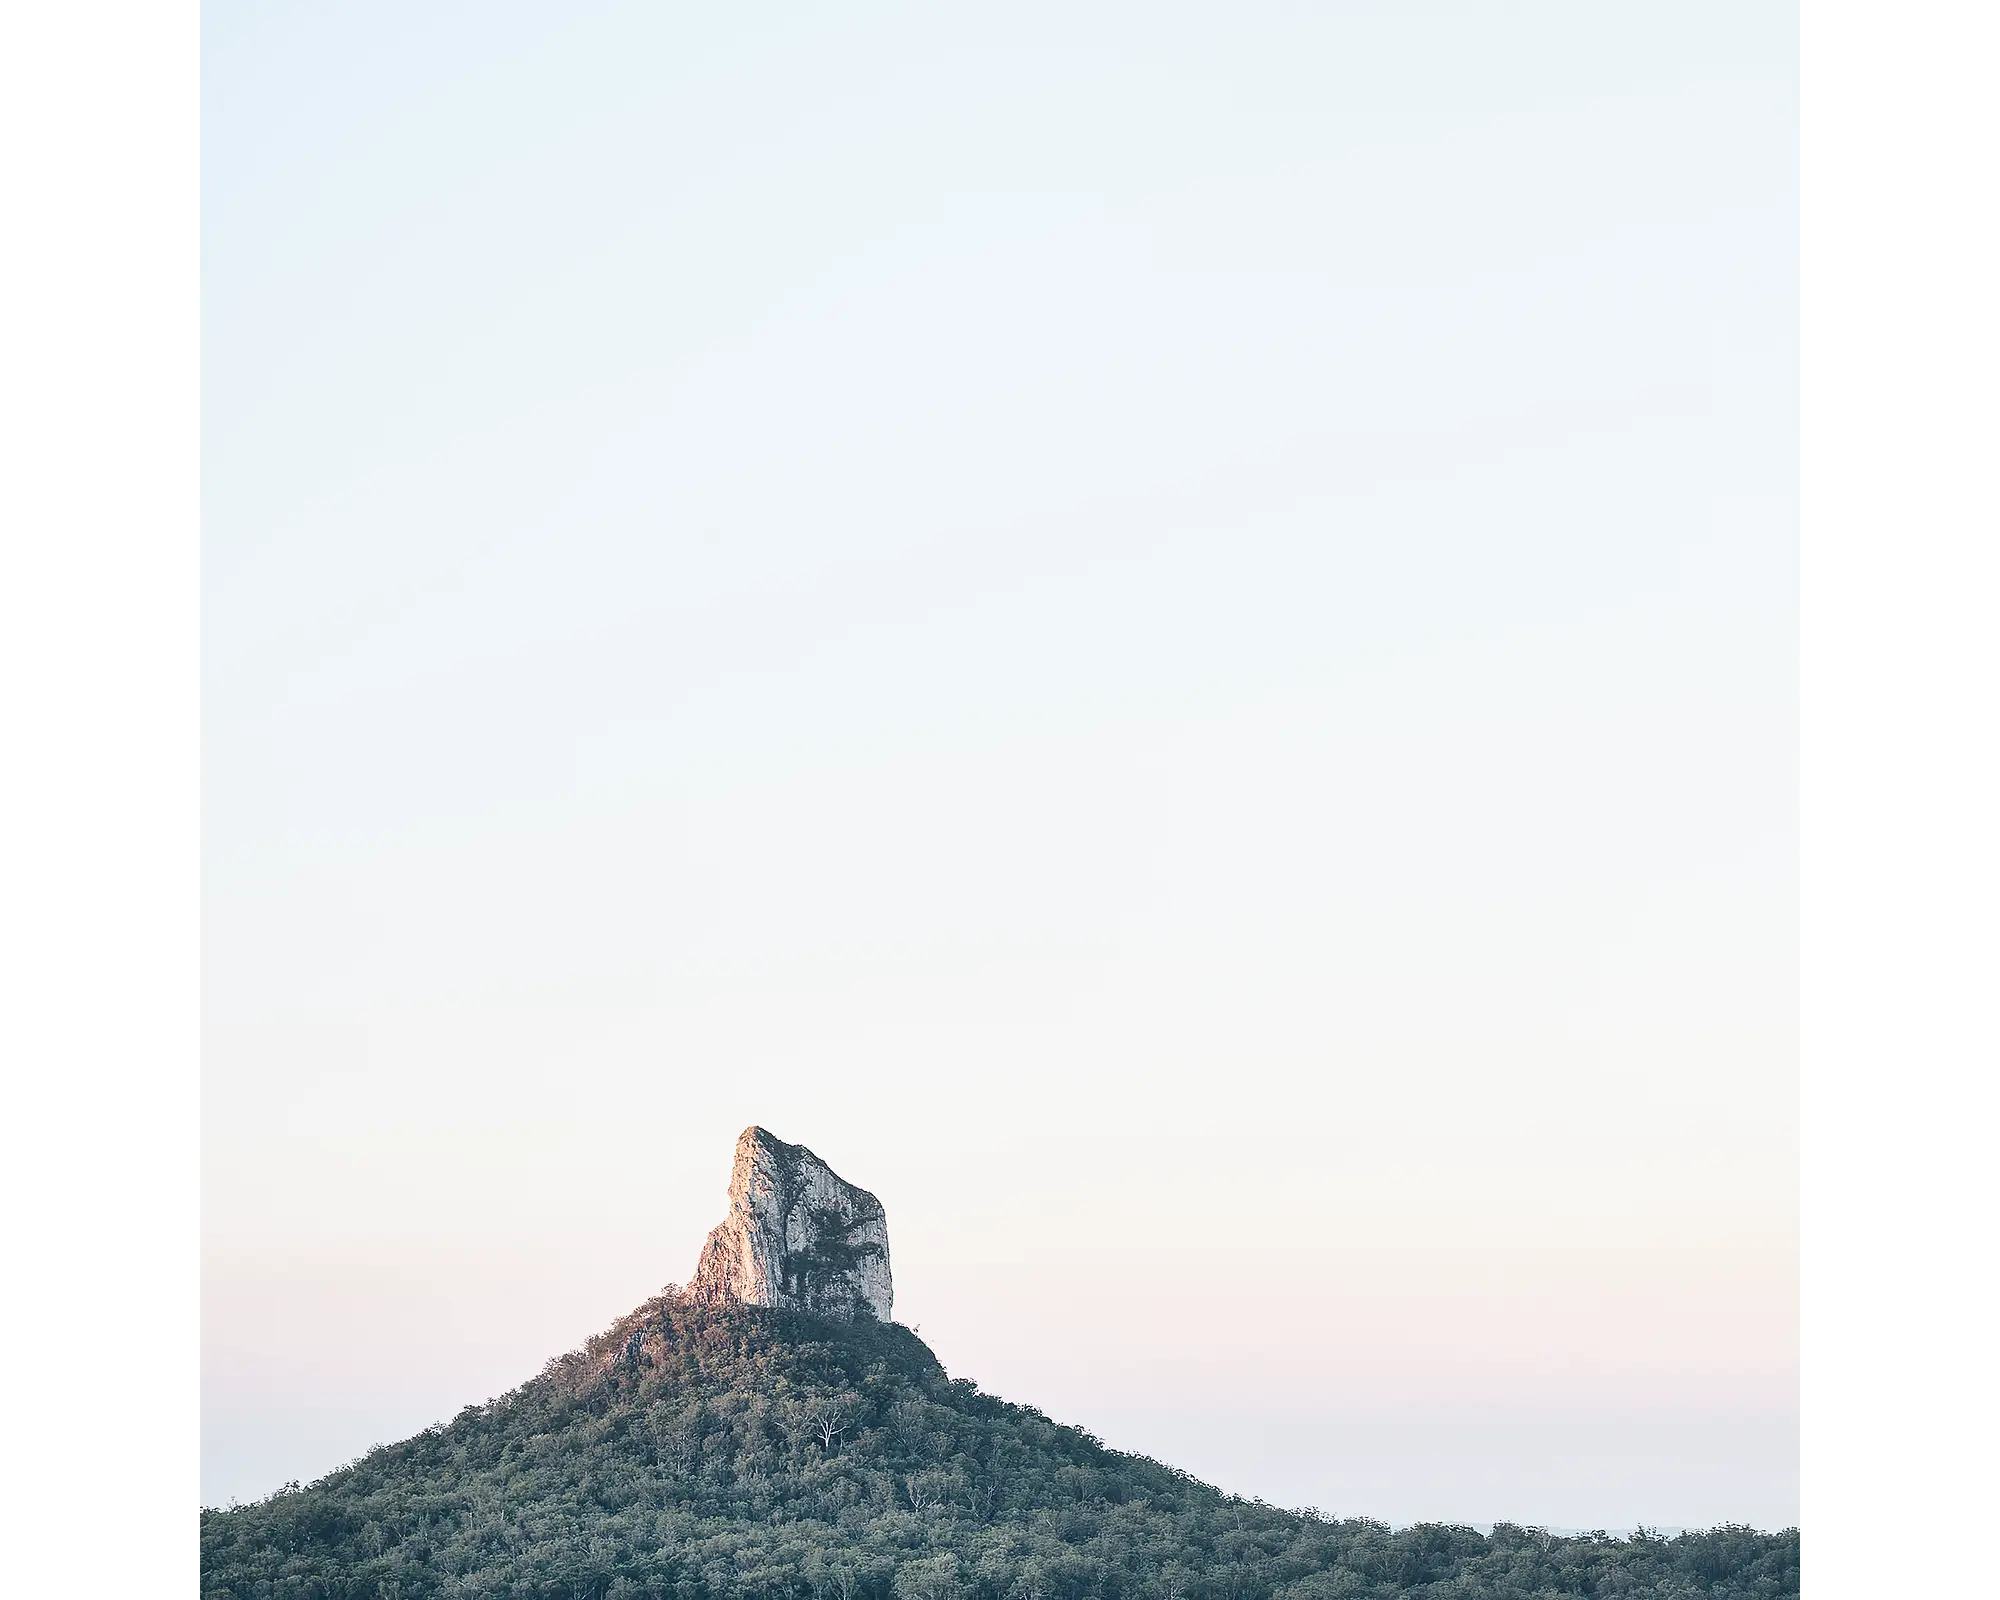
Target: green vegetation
point(707, 1451)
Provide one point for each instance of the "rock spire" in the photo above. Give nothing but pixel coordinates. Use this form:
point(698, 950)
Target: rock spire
point(797, 1235)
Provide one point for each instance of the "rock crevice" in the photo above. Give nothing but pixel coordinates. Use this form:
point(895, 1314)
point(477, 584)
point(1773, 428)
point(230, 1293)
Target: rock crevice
point(797, 1235)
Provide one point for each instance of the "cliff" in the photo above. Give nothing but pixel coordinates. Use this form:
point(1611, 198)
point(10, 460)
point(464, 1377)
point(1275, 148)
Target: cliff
point(798, 1236)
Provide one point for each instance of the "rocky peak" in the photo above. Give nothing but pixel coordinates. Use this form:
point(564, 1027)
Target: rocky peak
point(797, 1235)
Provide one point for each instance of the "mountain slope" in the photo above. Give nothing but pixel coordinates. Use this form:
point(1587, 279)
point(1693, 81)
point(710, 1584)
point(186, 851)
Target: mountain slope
point(706, 1450)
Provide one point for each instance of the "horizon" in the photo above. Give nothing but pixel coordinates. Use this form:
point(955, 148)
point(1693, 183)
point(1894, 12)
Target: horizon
point(684, 1293)
point(1251, 1453)
point(681, 1291)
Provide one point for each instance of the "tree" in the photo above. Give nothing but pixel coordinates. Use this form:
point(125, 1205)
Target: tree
point(927, 1489)
point(831, 1416)
point(933, 1578)
point(795, 1421)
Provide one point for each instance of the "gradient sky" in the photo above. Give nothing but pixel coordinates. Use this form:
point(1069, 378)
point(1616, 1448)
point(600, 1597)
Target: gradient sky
point(1166, 631)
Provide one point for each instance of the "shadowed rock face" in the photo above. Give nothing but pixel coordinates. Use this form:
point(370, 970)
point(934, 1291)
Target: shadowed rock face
point(797, 1235)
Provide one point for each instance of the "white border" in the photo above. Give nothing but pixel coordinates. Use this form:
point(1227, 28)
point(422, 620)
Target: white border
point(99, 846)
point(99, 826)
point(1901, 802)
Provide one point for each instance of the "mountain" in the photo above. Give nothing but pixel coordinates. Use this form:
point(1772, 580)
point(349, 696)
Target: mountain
point(768, 1433)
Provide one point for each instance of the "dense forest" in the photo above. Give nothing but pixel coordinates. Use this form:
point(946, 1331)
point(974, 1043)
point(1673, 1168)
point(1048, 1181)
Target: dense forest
point(702, 1451)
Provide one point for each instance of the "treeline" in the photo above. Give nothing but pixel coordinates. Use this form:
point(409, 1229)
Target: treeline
point(703, 1452)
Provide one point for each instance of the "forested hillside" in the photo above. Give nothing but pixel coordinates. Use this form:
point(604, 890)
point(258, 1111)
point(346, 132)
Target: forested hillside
point(705, 1451)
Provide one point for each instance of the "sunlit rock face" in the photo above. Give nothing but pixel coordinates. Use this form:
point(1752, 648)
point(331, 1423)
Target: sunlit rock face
point(797, 1235)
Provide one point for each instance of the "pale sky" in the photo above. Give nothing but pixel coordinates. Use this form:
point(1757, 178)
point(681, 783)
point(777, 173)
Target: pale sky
point(1168, 632)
